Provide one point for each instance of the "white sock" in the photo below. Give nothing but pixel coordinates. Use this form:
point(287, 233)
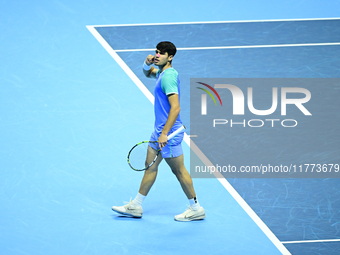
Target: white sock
point(139, 199)
point(194, 203)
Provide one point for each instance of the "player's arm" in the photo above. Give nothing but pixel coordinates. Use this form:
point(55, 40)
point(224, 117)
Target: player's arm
point(173, 114)
point(150, 73)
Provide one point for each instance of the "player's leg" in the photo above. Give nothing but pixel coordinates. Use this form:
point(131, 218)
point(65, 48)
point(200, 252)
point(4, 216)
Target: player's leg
point(178, 168)
point(194, 211)
point(134, 208)
point(151, 173)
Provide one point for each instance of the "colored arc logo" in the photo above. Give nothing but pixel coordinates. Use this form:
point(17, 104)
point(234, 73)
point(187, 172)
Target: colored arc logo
point(209, 93)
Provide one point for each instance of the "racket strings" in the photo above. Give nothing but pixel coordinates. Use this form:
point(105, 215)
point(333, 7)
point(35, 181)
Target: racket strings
point(142, 156)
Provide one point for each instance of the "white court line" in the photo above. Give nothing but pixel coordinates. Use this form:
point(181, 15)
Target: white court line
point(122, 64)
point(312, 241)
point(241, 47)
point(238, 198)
point(214, 22)
point(194, 147)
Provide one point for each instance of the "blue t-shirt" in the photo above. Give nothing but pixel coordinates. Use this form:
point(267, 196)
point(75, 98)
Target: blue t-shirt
point(167, 83)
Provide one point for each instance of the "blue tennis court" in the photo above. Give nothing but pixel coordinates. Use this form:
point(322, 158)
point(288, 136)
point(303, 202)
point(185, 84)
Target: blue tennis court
point(74, 101)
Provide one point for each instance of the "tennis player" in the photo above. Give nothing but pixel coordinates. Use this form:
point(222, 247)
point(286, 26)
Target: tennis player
point(167, 120)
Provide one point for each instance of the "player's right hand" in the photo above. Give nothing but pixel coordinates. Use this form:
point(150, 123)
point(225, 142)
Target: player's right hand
point(150, 60)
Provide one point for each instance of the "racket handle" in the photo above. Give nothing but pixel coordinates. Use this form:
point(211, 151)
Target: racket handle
point(176, 132)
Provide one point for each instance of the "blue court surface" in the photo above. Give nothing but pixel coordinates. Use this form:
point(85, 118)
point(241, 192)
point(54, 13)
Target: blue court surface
point(74, 100)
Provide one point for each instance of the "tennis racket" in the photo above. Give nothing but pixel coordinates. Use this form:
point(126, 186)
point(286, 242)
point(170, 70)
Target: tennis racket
point(137, 157)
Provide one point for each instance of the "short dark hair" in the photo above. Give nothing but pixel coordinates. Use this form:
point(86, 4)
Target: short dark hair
point(168, 47)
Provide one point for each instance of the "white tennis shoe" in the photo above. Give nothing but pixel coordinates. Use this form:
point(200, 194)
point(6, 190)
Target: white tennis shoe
point(191, 214)
point(130, 210)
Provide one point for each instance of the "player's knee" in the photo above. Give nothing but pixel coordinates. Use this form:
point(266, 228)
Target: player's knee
point(174, 171)
point(152, 168)
point(179, 172)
